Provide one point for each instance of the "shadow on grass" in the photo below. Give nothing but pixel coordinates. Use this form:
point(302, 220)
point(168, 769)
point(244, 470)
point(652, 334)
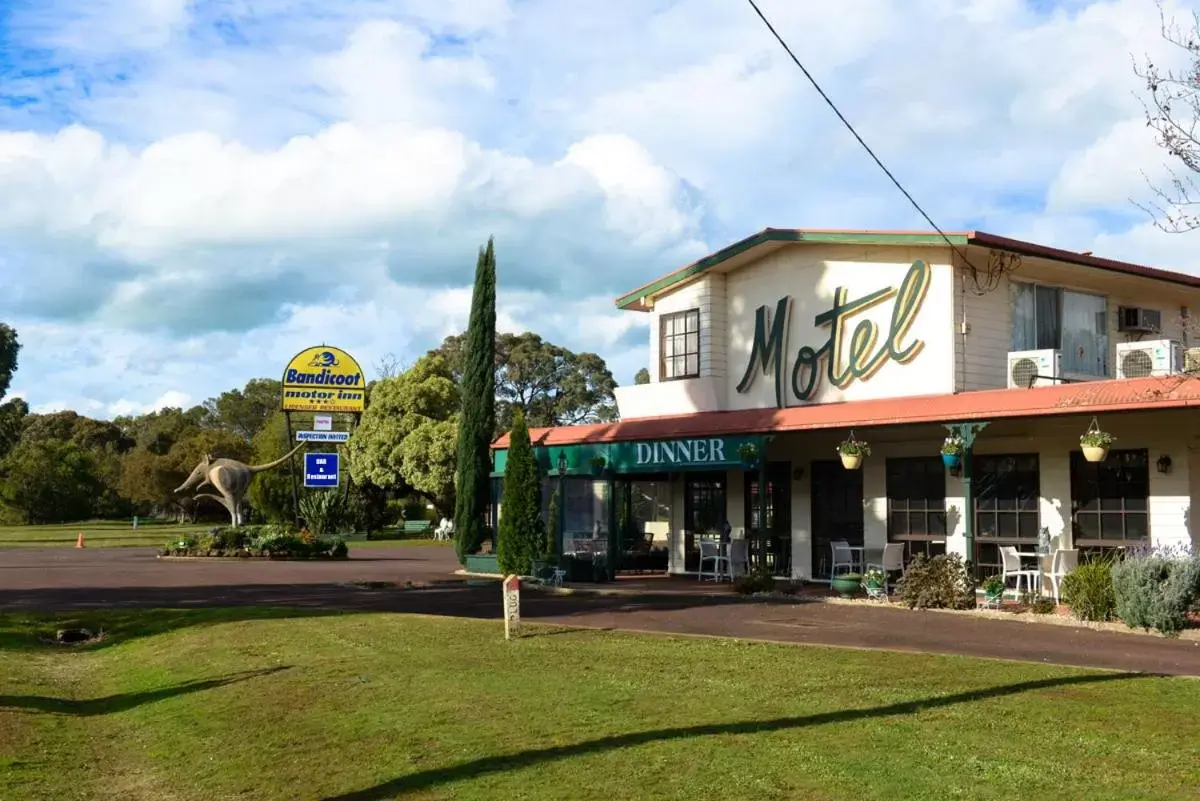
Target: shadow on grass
point(124, 701)
point(426, 780)
point(25, 632)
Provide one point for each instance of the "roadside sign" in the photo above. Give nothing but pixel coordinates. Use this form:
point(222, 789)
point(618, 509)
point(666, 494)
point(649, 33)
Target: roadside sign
point(323, 422)
point(511, 588)
point(321, 470)
point(322, 436)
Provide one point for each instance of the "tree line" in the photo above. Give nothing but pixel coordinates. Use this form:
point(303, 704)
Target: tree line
point(64, 466)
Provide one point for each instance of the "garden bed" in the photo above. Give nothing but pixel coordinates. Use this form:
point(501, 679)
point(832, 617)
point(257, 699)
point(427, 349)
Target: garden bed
point(256, 542)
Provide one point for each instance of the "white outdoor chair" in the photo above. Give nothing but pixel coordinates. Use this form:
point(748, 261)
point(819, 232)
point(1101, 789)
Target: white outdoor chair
point(1012, 568)
point(739, 558)
point(893, 561)
point(842, 557)
point(710, 551)
point(1065, 560)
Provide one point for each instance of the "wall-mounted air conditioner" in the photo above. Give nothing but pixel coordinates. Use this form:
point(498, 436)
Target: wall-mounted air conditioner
point(1133, 320)
point(1191, 360)
point(1154, 357)
point(1033, 368)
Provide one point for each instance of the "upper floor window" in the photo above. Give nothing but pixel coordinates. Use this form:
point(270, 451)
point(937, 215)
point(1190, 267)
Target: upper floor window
point(1075, 323)
point(679, 345)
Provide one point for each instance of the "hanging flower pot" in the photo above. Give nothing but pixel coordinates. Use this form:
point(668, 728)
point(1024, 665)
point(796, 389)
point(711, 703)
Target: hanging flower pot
point(952, 451)
point(748, 453)
point(598, 463)
point(852, 452)
point(1095, 443)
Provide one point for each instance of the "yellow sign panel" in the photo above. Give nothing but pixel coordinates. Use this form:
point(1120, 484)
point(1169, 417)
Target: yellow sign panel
point(324, 379)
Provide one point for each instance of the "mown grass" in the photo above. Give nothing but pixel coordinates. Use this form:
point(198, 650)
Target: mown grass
point(279, 704)
point(148, 534)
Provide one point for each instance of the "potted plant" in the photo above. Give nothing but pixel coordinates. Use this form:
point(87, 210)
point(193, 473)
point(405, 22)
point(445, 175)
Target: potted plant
point(852, 452)
point(993, 589)
point(952, 451)
point(846, 584)
point(1095, 443)
point(598, 463)
point(874, 582)
point(748, 453)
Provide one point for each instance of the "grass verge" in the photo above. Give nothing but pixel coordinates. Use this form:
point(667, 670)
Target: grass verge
point(281, 704)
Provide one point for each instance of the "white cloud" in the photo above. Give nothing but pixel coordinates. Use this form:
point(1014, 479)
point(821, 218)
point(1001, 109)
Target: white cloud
point(240, 180)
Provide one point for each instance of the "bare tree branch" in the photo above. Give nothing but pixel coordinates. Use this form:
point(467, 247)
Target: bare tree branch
point(1173, 111)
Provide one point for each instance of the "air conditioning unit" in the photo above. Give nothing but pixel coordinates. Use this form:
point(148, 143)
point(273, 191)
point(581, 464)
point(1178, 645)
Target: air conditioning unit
point(1033, 368)
point(1155, 357)
point(1138, 321)
point(1191, 360)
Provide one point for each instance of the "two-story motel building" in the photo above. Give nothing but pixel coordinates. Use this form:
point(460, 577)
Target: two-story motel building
point(793, 339)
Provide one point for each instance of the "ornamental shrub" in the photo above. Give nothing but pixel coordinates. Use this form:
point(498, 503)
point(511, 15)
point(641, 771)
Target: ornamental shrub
point(942, 582)
point(1088, 591)
point(1155, 589)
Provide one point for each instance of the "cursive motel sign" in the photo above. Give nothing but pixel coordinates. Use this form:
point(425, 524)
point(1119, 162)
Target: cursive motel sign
point(846, 358)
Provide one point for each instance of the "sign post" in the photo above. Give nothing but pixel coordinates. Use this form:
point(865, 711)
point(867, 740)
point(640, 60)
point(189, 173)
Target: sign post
point(323, 381)
point(511, 590)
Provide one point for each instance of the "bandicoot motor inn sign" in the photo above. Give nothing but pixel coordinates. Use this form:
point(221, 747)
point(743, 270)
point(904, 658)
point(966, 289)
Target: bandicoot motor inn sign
point(324, 379)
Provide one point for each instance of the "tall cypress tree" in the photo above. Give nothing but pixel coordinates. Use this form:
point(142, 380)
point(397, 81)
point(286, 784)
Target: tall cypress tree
point(520, 535)
point(478, 410)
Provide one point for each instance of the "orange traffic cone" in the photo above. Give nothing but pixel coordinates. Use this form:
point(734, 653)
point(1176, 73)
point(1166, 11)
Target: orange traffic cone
point(79, 541)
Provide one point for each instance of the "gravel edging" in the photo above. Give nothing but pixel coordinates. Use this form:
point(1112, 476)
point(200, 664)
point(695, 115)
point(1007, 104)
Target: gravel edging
point(1052, 619)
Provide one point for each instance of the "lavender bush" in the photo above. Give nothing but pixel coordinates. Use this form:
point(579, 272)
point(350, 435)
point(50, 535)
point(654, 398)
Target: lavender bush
point(1156, 587)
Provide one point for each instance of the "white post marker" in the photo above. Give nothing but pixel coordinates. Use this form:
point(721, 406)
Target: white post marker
point(511, 589)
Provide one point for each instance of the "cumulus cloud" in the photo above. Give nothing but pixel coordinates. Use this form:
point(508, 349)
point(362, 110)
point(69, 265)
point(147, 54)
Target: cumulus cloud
point(200, 189)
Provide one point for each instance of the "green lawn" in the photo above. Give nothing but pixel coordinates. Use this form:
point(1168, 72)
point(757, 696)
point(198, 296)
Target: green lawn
point(121, 533)
point(275, 705)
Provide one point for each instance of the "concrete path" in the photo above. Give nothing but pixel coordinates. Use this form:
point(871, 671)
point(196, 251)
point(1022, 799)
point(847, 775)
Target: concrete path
point(67, 579)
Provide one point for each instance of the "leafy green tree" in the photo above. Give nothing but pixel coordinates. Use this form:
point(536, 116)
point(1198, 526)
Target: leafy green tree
point(270, 493)
point(10, 346)
point(158, 431)
point(475, 425)
point(521, 536)
point(50, 481)
point(405, 443)
point(12, 420)
point(246, 411)
point(641, 377)
point(553, 386)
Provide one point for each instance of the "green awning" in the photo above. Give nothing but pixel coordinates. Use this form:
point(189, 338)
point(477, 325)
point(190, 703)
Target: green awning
point(641, 456)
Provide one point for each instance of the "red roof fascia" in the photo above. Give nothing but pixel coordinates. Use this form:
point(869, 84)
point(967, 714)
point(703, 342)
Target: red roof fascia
point(1091, 397)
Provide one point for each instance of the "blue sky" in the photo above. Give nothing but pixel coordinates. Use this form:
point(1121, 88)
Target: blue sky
point(194, 191)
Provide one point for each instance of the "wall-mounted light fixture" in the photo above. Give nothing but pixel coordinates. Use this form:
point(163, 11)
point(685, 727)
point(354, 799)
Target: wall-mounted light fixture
point(797, 473)
point(1164, 464)
point(562, 463)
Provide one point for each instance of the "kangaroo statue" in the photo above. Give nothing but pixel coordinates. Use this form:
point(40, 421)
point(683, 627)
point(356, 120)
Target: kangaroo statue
point(229, 477)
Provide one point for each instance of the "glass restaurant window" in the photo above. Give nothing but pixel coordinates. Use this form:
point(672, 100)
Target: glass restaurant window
point(1007, 490)
point(916, 496)
point(1075, 323)
point(703, 511)
point(1109, 499)
point(679, 345)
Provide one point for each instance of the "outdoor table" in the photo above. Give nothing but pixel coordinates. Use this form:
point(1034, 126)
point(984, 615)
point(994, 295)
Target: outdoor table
point(1037, 558)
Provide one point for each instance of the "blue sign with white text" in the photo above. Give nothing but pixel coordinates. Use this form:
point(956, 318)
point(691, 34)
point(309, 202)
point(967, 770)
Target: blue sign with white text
point(321, 470)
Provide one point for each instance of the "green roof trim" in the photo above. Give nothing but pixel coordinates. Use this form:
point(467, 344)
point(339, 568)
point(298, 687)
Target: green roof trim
point(769, 235)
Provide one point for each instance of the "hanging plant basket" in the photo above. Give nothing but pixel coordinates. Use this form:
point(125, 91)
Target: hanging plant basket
point(598, 463)
point(952, 451)
point(852, 451)
point(748, 453)
point(1095, 443)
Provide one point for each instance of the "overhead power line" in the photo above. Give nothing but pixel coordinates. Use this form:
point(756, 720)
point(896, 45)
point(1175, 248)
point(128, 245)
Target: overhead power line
point(829, 102)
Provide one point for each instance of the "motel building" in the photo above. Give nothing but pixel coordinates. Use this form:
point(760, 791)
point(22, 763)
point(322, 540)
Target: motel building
point(766, 355)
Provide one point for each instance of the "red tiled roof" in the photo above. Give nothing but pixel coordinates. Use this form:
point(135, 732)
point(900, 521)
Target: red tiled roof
point(1091, 397)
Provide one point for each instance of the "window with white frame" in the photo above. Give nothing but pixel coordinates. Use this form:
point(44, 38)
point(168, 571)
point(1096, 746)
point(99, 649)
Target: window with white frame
point(1074, 323)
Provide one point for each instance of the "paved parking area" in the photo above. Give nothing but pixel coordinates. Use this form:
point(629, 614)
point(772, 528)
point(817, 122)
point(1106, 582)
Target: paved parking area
point(63, 579)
